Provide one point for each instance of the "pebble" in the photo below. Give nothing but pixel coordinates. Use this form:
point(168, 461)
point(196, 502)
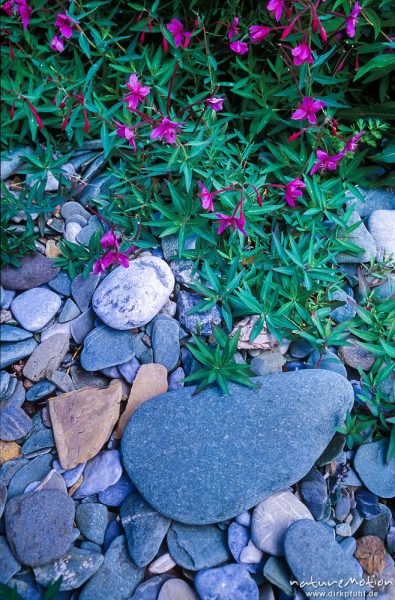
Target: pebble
point(378, 199)
point(333, 450)
point(12, 352)
point(371, 465)
point(40, 436)
point(183, 271)
point(300, 348)
point(271, 519)
point(14, 423)
point(70, 476)
point(176, 589)
point(175, 379)
point(166, 341)
point(359, 237)
point(8, 451)
point(61, 283)
point(86, 233)
point(69, 312)
point(267, 363)
point(6, 297)
point(13, 161)
point(76, 219)
point(47, 355)
point(71, 208)
point(116, 494)
point(313, 554)
point(356, 357)
point(149, 590)
point(200, 323)
point(34, 270)
point(83, 378)
point(129, 369)
point(61, 380)
point(114, 529)
point(12, 383)
point(197, 547)
point(82, 325)
point(100, 472)
point(348, 545)
point(342, 508)
point(244, 519)
point(92, 519)
point(83, 421)
point(52, 481)
point(329, 361)
point(144, 528)
point(75, 568)
point(82, 289)
point(106, 347)
point(162, 564)
point(251, 554)
point(382, 227)
point(314, 493)
point(8, 564)
point(367, 504)
point(133, 296)
point(4, 382)
point(191, 423)
point(226, 583)
point(117, 578)
point(36, 541)
point(10, 333)
point(379, 524)
point(277, 572)
point(344, 312)
point(238, 538)
point(39, 391)
point(71, 231)
point(357, 520)
point(57, 328)
point(343, 529)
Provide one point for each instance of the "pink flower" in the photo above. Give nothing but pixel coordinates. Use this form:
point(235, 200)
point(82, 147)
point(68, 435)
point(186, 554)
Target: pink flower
point(206, 198)
point(24, 11)
point(109, 240)
point(65, 24)
point(235, 223)
point(167, 129)
point(258, 33)
point(292, 192)
point(8, 7)
point(57, 44)
point(127, 133)
point(324, 161)
point(111, 258)
point(180, 36)
point(138, 92)
point(233, 29)
point(215, 103)
point(276, 7)
point(352, 20)
point(239, 47)
point(307, 110)
point(352, 144)
point(302, 54)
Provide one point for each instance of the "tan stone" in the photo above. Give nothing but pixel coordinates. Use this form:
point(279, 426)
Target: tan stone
point(8, 451)
point(52, 250)
point(371, 554)
point(151, 380)
point(83, 421)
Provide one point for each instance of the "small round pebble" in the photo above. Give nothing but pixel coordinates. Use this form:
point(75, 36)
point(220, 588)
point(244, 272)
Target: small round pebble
point(176, 589)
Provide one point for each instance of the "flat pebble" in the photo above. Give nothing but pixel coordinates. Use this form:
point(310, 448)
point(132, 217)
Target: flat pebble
point(75, 568)
point(100, 472)
point(115, 495)
point(197, 547)
point(92, 520)
point(82, 289)
point(226, 583)
point(39, 390)
point(34, 308)
point(106, 347)
point(10, 333)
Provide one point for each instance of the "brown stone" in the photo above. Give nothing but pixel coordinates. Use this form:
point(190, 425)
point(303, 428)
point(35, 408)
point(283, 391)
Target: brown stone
point(355, 356)
point(52, 250)
point(150, 381)
point(83, 421)
point(8, 451)
point(371, 554)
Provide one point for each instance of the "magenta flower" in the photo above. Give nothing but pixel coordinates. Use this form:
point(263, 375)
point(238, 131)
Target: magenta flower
point(180, 36)
point(111, 258)
point(24, 11)
point(138, 92)
point(352, 144)
point(239, 47)
point(206, 198)
point(215, 103)
point(57, 44)
point(233, 29)
point(235, 223)
point(302, 54)
point(292, 192)
point(276, 7)
point(167, 129)
point(65, 24)
point(307, 110)
point(109, 240)
point(8, 7)
point(258, 33)
point(326, 162)
point(352, 20)
point(127, 133)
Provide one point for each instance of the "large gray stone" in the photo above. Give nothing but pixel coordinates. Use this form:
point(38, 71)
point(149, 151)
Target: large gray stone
point(75, 568)
point(191, 448)
point(359, 237)
point(313, 555)
point(133, 296)
point(34, 270)
point(371, 464)
point(373, 200)
point(35, 308)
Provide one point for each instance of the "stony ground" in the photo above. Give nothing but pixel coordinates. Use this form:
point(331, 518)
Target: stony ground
point(208, 497)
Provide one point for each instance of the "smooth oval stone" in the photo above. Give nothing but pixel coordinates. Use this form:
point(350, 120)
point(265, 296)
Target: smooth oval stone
point(313, 555)
point(40, 390)
point(133, 296)
point(91, 519)
point(11, 352)
point(10, 333)
point(238, 538)
point(105, 347)
point(271, 519)
point(176, 589)
point(35, 308)
point(371, 464)
point(184, 442)
point(36, 541)
point(34, 270)
point(196, 547)
point(75, 567)
point(226, 583)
